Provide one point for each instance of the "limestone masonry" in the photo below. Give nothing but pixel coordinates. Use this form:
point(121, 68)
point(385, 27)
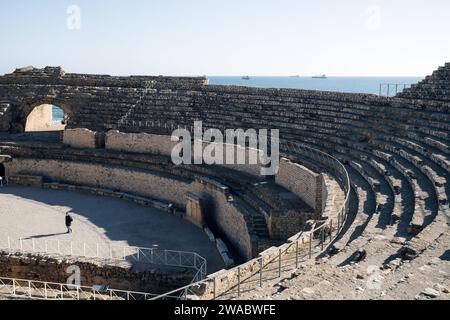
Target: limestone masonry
point(372, 173)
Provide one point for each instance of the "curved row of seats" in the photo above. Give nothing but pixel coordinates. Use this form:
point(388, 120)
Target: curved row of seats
point(403, 167)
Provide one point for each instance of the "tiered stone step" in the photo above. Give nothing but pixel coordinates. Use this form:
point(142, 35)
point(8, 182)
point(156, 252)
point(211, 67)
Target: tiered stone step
point(399, 187)
point(434, 87)
point(438, 144)
point(180, 113)
point(363, 201)
point(429, 167)
point(425, 204)
point(406, 172)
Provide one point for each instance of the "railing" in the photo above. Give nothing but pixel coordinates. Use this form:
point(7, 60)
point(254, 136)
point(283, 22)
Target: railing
point(112, 253)
point(58, 291)
point(392, 89)
point(272, 263)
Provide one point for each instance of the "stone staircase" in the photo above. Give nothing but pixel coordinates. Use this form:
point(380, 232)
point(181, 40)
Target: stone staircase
point(5, 116)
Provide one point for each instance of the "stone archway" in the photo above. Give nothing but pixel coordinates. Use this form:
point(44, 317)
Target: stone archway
point(40, 116)
point(4, 159)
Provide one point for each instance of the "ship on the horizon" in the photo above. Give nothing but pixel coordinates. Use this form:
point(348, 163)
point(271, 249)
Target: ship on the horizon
point(246, 78)
point(323, 76)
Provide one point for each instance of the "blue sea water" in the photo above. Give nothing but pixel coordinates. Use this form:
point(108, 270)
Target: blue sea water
point(339, 84)
point(57, 114)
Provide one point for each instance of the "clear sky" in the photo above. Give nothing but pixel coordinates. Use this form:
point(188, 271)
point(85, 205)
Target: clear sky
point(227, 37)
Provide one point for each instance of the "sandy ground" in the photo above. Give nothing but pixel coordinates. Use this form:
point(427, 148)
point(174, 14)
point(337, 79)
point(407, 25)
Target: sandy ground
point(33, 213)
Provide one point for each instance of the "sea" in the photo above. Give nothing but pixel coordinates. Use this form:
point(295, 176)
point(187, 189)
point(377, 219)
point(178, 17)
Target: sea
point(338, 84)
point(57, 115)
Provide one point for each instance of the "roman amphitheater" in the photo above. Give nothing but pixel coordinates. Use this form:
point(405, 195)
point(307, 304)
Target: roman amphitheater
point(357, 210)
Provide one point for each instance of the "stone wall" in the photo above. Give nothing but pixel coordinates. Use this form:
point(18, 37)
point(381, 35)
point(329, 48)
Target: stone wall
point(143, 183)
point(92, 272)
point(233, 157)
point(223, 215)
point(26, 180)
point(79, 138)
point(284, 224)
point(308, 185)
point(142, 142)
point(324, 193)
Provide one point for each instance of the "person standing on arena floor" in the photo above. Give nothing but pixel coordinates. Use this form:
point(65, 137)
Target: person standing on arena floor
point(68, 222)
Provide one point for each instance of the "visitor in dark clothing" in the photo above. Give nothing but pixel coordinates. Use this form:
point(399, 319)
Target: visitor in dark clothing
point(68, 222)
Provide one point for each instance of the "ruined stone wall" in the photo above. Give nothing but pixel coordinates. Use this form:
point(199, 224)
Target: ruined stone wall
point(79, 138)
point(117, 178)
point(139, 142)
point(303, 182)
point(56, 75)
point(96, 102)
point(163, 145)
point(92, 272)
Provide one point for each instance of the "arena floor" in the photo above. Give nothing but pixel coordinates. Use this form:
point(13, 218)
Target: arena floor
point(34, 213)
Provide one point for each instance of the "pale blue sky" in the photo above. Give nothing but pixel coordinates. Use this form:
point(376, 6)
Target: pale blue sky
point(228, 37)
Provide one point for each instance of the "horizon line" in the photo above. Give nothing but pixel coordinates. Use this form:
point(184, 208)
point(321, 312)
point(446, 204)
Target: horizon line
point(328, 76)
point(234, 75)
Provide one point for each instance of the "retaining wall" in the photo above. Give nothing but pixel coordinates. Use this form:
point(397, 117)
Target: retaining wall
point(79, 138)
point(308, 185)
point(92, 272)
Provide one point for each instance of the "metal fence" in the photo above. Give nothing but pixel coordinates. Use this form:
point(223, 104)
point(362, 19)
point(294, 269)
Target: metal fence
point(392, 89)
point(113, 253)
point(272, 263)
point(58, 291)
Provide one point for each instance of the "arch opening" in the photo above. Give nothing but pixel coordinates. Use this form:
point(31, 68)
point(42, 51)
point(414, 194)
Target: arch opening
point(2, 170)
point(45, 118)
